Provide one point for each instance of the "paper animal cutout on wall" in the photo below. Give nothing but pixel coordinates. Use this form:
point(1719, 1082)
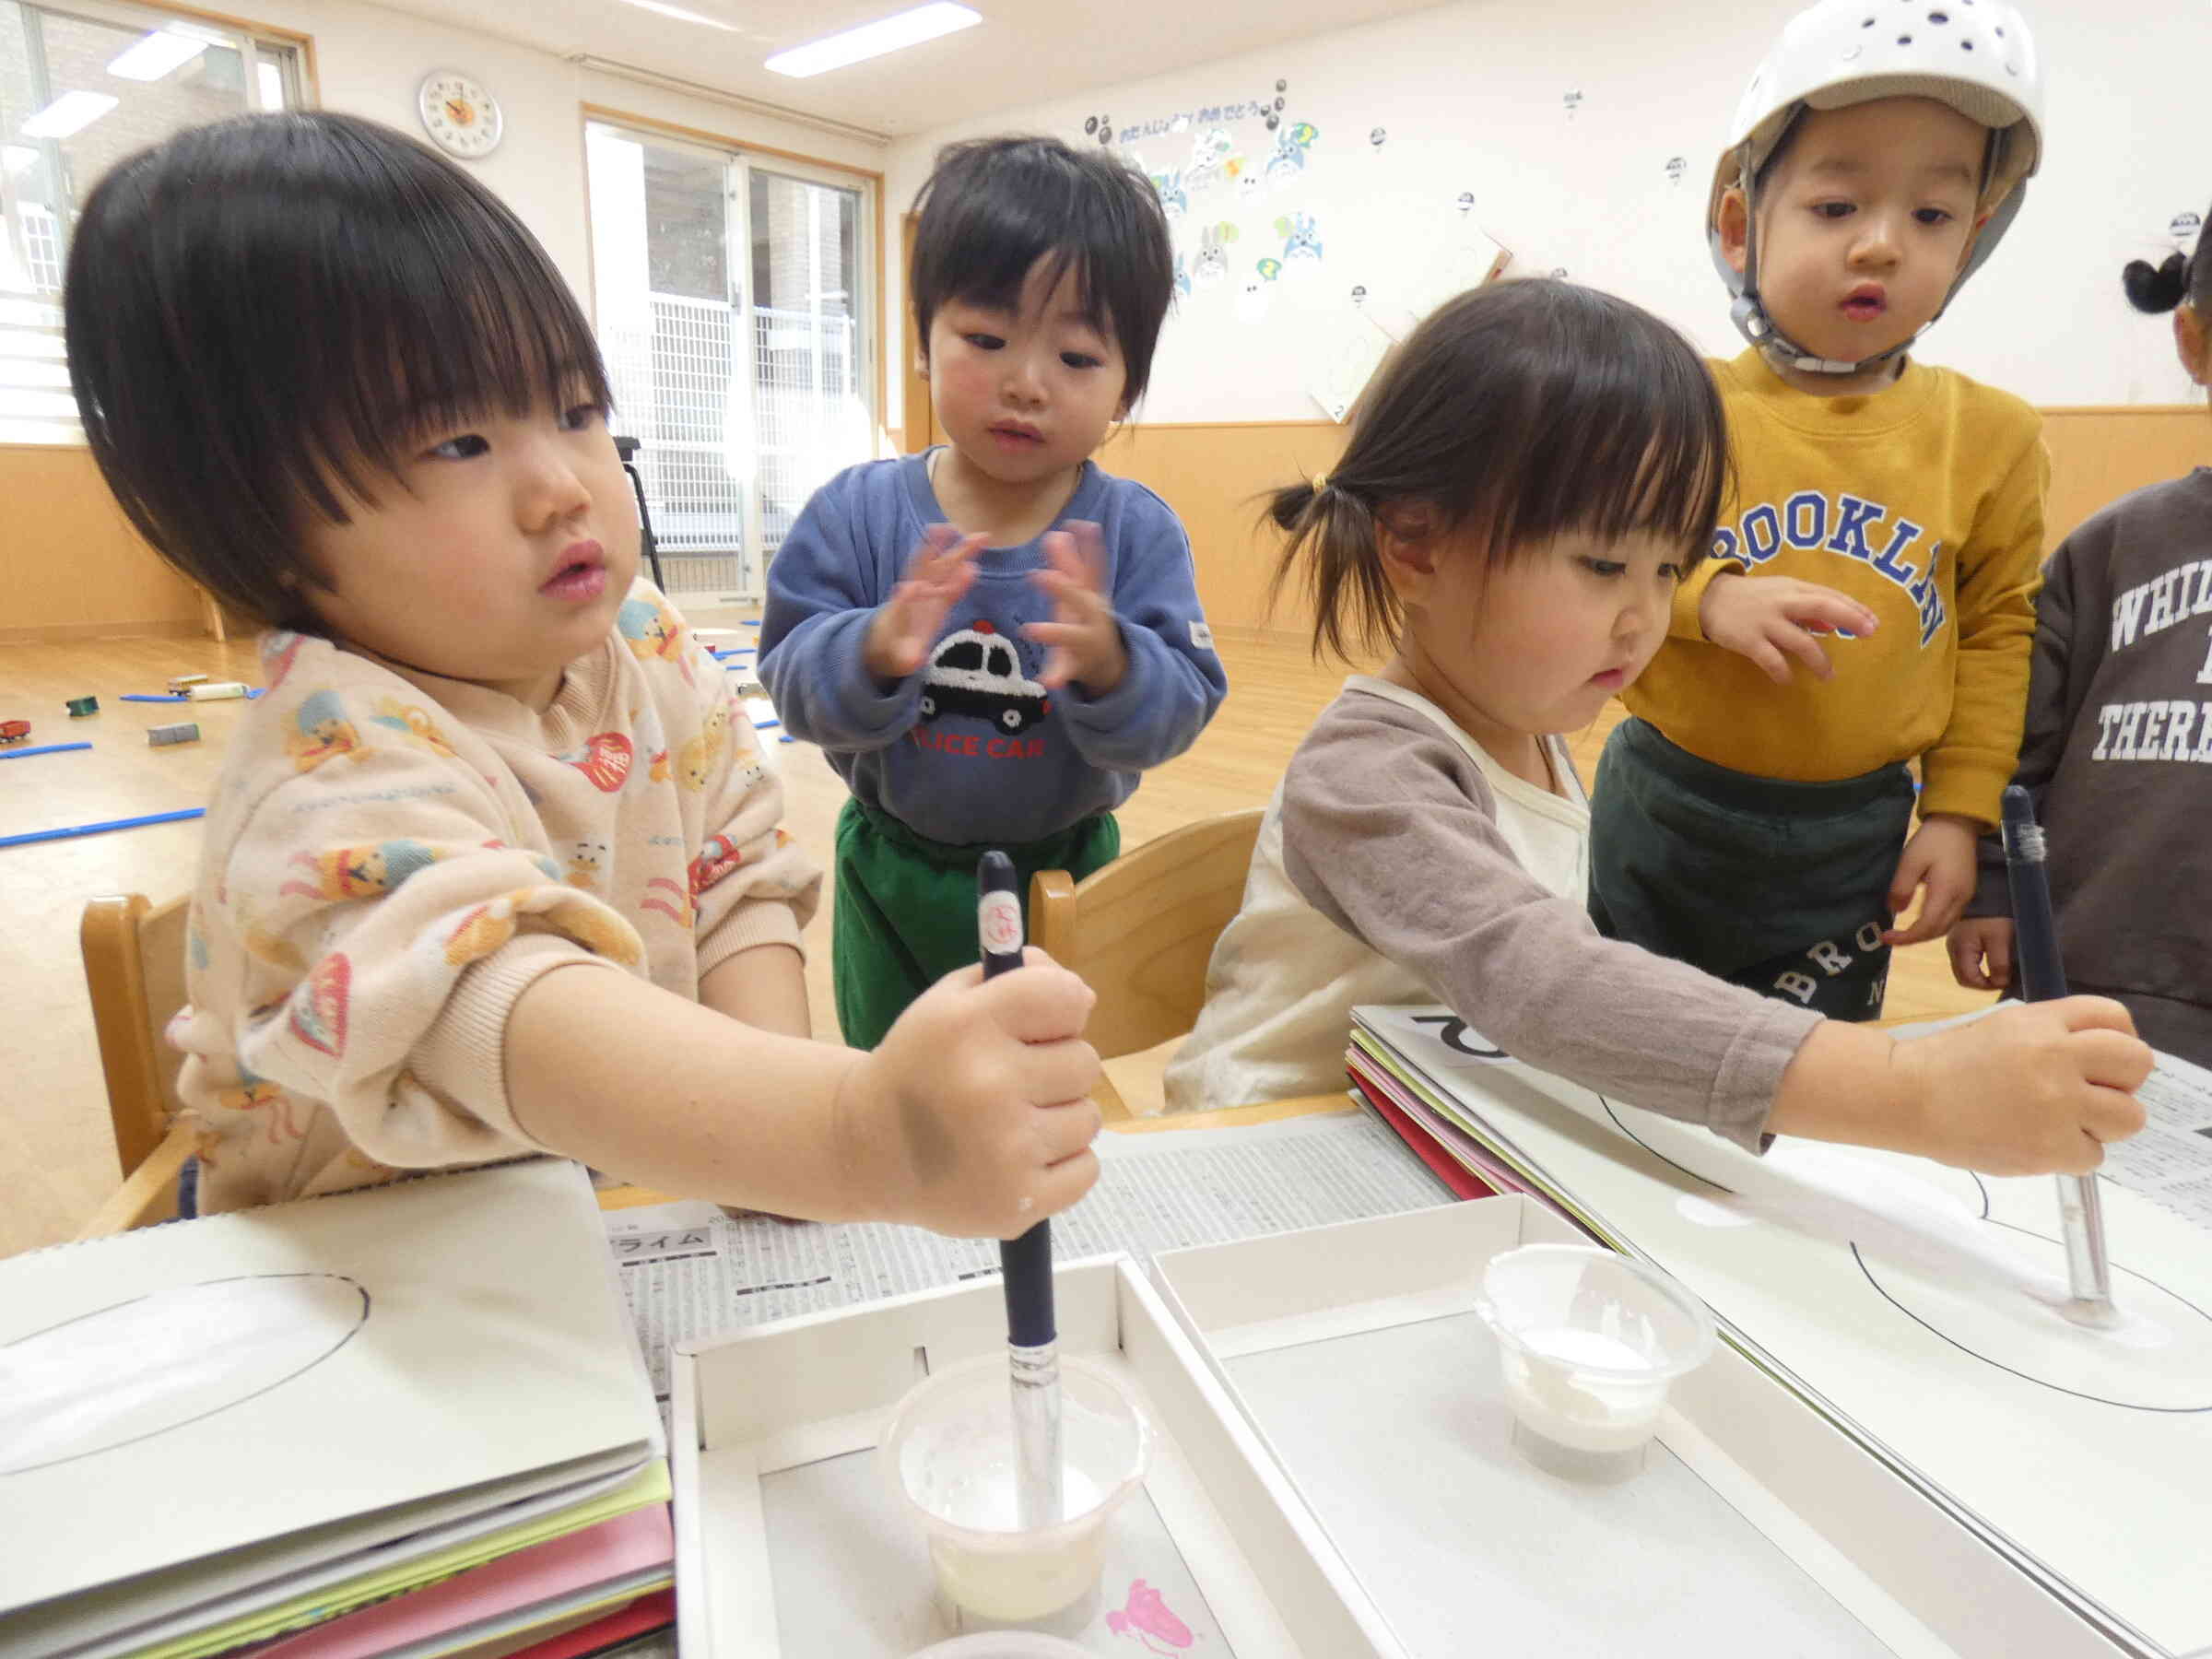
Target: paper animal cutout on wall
point(1574, 100)
point(2184, 226)
point(1676, 167)
point(1378, 136)
point(1301, 238)
point(1212, 264)
point(1174, 201)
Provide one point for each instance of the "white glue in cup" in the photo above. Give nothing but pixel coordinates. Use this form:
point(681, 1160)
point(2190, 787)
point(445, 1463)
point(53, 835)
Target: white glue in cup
point(949, 1455)
point(1590, 1342)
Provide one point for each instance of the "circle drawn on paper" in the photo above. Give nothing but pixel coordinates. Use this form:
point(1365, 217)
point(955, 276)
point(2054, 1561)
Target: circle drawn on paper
point(2158, 1357)
point(1985, 1287)
point(164, 1361)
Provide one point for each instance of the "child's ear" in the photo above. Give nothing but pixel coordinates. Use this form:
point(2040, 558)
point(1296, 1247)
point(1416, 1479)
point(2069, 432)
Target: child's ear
point(2193, 342)
point(922, 362)
point(1407, 541)
point(1734, 220)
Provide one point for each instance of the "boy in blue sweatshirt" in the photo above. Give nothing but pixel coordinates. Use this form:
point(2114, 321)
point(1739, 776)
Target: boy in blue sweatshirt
point(992, 640)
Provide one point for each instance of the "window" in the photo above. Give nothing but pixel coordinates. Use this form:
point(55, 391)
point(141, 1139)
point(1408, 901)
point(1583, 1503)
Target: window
point(83, 84)
point(734, 311)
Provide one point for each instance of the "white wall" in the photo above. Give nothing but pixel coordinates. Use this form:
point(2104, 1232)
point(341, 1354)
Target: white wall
point(369, 62)
point(1472, 98)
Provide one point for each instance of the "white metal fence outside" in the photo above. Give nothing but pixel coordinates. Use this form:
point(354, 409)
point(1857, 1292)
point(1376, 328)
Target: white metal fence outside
point(707, 448)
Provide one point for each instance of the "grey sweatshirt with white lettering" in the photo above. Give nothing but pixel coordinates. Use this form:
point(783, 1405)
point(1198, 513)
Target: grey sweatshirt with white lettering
point(2118, 755)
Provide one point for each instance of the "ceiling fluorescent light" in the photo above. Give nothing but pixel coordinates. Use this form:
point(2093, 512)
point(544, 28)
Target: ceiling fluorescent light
point(151, 56)
point(681, 16)
point(71, 112)
point(873, 40)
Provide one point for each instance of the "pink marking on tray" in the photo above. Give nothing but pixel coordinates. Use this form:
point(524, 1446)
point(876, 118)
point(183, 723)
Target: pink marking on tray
point(1145, 1616)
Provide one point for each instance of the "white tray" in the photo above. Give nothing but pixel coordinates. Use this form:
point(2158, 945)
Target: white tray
point(789, 1541)
point(1753, 1527)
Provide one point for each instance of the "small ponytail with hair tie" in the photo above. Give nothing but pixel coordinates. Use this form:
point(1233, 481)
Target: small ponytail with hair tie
point(1332, 547)
point(2158, 291)
point(2179, 280)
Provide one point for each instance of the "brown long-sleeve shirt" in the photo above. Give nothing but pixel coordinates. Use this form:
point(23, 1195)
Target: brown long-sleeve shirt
point(1401, 863)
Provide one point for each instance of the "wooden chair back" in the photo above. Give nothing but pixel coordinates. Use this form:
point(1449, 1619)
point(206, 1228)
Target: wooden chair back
point(1141, 930)
point(134, 956)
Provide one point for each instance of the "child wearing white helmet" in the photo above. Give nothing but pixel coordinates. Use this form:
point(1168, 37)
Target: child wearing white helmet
point(1749, 815)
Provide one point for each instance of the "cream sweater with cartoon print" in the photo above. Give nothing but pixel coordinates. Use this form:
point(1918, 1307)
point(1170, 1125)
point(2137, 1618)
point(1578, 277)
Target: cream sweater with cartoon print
point(391, 859)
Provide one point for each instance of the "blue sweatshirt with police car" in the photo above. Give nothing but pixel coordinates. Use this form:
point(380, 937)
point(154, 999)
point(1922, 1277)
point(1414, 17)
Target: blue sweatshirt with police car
point(970, 747)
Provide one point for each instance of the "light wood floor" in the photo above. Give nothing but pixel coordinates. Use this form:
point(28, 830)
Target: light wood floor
point(56, 1157)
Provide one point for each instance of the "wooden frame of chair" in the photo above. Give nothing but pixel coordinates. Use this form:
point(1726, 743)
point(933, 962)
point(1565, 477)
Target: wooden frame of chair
point(1142, 930)
point(134, 956)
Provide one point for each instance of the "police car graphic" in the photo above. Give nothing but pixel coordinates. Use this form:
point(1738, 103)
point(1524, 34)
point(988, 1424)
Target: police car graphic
point(975, 671)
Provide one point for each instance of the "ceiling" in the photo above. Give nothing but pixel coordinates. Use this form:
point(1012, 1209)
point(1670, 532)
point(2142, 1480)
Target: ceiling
point(1024, 52)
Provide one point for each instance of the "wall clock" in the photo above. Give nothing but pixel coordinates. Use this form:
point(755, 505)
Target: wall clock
point(461, 117)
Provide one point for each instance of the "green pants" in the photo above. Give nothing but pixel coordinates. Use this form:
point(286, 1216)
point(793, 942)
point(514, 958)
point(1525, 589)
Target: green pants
point(905, 911)
point(1777, 885)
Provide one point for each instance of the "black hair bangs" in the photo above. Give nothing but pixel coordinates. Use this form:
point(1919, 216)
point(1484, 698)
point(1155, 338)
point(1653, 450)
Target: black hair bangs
point(994, 207)
point(1620, 430)
point(1514, 415)
point(264, 313)
point(1576, 413)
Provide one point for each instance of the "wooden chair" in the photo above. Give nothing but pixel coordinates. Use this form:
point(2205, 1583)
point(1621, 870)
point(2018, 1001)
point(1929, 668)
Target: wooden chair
point(134, 954)
point(1141, 930)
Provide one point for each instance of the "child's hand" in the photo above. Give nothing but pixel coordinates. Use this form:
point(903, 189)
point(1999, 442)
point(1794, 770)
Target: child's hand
point(1940, 857)
point(1774, 618)
point(2033, 1089)
point(1085, 640)
point(907, 623)
point(1981, 952)
point(972, 1117)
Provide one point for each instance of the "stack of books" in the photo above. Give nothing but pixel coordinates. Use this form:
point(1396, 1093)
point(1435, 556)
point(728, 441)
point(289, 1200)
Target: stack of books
point(410, 1419)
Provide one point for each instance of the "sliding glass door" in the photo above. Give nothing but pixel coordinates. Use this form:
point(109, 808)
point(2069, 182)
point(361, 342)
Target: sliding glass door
point(735, 310)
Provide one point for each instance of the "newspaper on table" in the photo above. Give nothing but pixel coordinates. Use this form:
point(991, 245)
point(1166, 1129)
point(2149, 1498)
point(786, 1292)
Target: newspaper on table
point(689, 1271)
point(2170, 1162)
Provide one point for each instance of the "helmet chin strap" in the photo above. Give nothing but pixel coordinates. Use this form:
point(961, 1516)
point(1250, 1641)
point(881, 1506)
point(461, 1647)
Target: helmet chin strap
point(1750, 317)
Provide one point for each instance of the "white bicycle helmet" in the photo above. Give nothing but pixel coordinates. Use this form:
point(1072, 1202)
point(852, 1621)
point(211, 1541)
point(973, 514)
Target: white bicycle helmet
point(1975, 56)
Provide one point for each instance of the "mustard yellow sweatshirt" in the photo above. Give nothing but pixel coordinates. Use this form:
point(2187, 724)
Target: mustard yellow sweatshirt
point(1925, 501)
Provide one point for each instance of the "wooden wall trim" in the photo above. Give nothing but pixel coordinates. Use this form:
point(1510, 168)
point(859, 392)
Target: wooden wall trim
point(72, 568)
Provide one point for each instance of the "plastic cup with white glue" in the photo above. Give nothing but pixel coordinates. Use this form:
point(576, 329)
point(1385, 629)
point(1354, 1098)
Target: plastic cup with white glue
point(949, 1455)
point(1590, 1341)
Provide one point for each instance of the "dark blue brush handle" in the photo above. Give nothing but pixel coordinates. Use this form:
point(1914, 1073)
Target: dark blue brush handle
point(1025, 1264)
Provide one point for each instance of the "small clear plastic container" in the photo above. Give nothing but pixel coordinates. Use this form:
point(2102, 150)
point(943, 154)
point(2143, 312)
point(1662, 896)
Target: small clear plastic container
point(950, 1456)
point(1590, 1342)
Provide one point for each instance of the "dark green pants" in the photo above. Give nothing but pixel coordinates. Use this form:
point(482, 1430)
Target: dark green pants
point(905, 911)
point(1783, 887)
